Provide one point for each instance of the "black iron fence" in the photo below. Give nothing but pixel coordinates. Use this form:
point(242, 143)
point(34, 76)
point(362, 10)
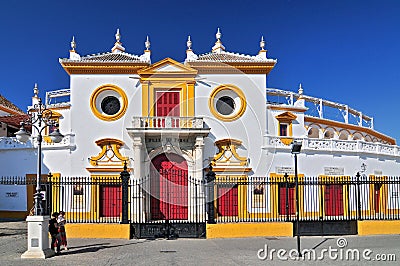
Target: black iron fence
point(235, 199)
point(323, 198)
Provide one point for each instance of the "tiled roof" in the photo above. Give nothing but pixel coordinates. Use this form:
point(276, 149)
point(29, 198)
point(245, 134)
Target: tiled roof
point(228, 57)
point(13, 120)
point(9, 105)
point(108, 57)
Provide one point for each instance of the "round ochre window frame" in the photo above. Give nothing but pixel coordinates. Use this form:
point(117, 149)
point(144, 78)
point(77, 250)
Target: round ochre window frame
point(236, 114)
point(99, 113)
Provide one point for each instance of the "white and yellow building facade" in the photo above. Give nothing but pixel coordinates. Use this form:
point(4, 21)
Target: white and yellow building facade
point(213, 108)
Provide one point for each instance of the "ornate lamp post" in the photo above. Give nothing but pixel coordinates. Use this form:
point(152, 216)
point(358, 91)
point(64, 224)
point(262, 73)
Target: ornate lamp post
point(296, 148)
point(39, 118)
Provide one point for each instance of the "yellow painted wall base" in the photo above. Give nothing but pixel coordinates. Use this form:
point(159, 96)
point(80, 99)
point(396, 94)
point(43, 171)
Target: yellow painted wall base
point(378, 227)
point(98, 231)
point(249, 230)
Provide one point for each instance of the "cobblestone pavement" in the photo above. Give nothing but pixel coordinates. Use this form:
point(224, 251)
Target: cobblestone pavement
point(159, 252)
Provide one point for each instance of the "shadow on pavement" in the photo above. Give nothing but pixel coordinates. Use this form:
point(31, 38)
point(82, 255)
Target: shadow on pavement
point(92, 248)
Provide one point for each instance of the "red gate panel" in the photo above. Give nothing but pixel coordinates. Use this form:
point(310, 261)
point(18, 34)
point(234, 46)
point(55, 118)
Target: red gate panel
point(333, 200)
point(377, 196)
point(291, 198)
point(169, 188)
point(110, 201)
point(227, 201)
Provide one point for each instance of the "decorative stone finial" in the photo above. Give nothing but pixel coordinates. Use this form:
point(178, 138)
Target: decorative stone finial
point(117, 36)
point(189, 43)
point(146, 56)
point(262, 43)
point(218, 34)
point(147, 43)
point(300, 89)
point(36, 91)
point(73, 43)
point(218, 47)
point(118, 45)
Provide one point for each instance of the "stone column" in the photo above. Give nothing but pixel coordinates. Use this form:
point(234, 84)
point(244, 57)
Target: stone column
point(137, 206)
point(197, 191)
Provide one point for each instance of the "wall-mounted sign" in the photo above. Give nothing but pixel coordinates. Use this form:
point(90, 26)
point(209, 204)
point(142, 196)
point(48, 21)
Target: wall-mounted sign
point(333, 171)
point(13, 198)
point(284, 170)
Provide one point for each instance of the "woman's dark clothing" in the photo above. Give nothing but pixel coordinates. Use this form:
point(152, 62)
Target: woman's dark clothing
point(55, 236)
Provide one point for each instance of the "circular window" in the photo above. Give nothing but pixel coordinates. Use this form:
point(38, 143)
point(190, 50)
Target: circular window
point(108, 102)
point(110, 105)
point(227, 103)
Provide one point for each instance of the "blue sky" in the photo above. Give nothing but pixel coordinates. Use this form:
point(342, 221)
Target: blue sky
point(344, 51)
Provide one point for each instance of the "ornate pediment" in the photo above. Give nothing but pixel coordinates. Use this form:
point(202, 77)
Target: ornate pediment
point(227, 154)
point(109, 154)
point(167, 67)
point(286, 117)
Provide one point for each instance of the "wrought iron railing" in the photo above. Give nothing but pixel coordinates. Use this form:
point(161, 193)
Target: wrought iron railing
point(323, 198)
point(236, 199)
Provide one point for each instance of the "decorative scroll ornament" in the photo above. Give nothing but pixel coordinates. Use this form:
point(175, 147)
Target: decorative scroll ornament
point(109, 155)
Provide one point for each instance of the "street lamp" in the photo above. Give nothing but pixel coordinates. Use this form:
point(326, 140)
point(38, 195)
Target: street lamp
point(38, 241)
point(39, 118)
point(296, 148)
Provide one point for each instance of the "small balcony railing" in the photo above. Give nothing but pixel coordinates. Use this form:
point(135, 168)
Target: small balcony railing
point(177, 122)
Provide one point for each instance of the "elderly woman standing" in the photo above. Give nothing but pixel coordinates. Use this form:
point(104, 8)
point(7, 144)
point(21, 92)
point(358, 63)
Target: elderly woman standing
point(61, 225)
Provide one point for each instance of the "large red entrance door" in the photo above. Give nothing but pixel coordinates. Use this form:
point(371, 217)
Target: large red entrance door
point(169, 187)
point(110, 201)
point(333, 200)
point(227, 201)
point(290, 198)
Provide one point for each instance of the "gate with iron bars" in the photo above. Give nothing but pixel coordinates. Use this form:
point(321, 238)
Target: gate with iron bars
point(167, 204)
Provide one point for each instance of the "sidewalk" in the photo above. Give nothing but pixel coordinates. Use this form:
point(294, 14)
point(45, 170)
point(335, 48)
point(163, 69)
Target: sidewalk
point(160, 252)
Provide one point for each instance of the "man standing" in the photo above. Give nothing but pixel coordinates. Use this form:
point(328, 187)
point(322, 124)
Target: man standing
point(53, 230)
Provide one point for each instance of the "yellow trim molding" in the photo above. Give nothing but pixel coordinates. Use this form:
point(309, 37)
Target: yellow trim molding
point(235, 115)
point(287, 108)
point(98, 113)
point(232, 67)
point(102, 68)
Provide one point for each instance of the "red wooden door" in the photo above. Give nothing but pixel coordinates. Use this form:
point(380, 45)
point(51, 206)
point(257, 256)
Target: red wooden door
point(168, 105)
point(333, 200)
point(227, 201)
point(169, 188)
point(291, 198)
point(377, 196)
point(110, 200)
